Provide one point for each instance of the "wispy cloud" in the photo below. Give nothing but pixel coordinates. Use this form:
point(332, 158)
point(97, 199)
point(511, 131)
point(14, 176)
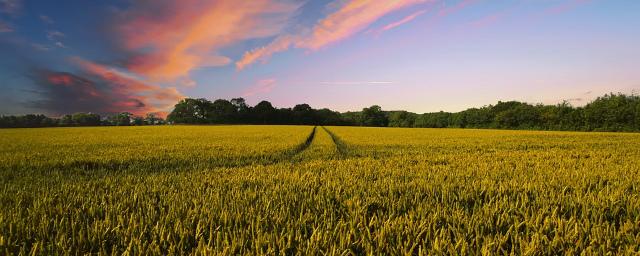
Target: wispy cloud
point(5, 28)
point(54, 35)
point(129, 84)
point(358, 83)
point(402, 21)
point(261, 87)
point(446, 11)
point(353, 17)
point(490, 19)
point(170, 39)
point(350, 18)
point(60, 45)
point(11, 7)
point(46, 19)
point(101, 89)
point(280, 44)
point(564, 7)
point(40, 47)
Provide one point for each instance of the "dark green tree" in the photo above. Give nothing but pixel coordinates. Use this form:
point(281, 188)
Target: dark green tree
point(374, 116)
point(263, 112)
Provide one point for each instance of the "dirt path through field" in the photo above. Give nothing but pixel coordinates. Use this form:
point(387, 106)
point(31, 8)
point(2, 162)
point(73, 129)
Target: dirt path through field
point(340, 145)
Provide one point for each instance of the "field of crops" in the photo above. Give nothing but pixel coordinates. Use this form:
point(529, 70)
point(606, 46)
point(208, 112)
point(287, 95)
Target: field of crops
point(326, 190)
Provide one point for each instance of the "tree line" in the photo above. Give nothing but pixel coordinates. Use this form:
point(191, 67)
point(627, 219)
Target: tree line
point(611, 112)
point(78, 119)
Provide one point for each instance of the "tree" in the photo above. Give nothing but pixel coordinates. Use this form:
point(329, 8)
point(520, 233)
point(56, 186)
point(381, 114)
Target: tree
point(242, 110)
point(477, 117)
point(85, 119)
point(303, 114)
point(433, 120)
point(328, 117)
point(137, 120)
point(223, 112)
point(191, 111)
point(66, 120)
point(402, 119)
point(373, 116)
point(518, 116)
point(263, 112)
point(613, 112)
point(121, 119)
point(240, 104)
point(151, 119)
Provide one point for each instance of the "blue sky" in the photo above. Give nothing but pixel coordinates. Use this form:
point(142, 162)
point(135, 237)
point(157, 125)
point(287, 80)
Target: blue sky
point(418, 55)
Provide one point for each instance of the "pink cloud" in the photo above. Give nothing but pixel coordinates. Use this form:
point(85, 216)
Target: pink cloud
point(68, 93)
point(350, 18)
point(153, 97)
point(358, 83)
point(60, 79)
point(402, 21)
point(175, 38)
point(5, 28)
point(261, 87)
point(564, 7)
point(445, 11)
point(263, 53)
point(490, 19)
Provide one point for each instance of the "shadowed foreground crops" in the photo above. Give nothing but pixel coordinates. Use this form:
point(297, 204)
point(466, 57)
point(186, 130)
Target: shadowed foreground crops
point(338, 190)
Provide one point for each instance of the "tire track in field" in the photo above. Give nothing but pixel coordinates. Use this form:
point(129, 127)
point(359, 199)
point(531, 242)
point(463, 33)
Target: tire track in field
point(340, 145)
point(304, 145)
point(161, 164)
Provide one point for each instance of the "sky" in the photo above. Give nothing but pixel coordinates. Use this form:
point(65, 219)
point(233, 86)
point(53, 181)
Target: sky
point(68, 56)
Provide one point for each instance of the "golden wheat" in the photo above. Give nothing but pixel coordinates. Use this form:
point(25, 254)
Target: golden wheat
point(344, 190)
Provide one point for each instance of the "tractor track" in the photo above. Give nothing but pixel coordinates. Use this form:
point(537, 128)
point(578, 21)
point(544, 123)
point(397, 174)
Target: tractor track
point(302, 147)
point(340, 145)
point(161, 165)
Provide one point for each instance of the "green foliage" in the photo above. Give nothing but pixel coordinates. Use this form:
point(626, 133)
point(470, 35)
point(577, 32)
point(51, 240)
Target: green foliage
point(85, 119)
point(78, 119)
point(402, 119)
point(434, 120)
point(373, 116)
point(613, 112)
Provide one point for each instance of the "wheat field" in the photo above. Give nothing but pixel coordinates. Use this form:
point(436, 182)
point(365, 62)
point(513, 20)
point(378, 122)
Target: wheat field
point(300, 190)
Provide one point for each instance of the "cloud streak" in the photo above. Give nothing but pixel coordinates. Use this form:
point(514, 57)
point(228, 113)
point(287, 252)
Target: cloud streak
point(261, 54)
point(11, 7)
point(169, 39)
point(5, 28)
point(358, 83)
point(402, 21)
point(564, 7)
point(261, 87)
point(350, 18)
point(46, 19)
point(100, 89)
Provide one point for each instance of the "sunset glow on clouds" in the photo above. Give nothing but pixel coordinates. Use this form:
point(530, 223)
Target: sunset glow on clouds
point(102, 89)
point(352, 17)
point(188, 34)
point(402, 21)
point(144, 56)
